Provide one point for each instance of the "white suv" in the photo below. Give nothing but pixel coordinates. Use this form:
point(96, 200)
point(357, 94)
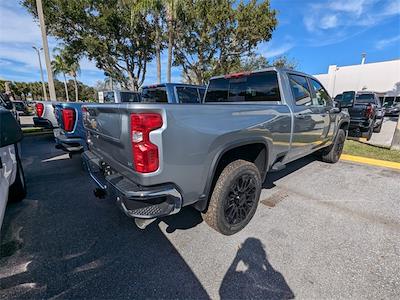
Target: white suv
point(12, 180)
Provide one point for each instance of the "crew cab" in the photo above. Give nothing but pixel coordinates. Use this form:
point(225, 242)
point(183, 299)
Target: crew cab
point(45, 116)
point(12, 180)
point(156, 158)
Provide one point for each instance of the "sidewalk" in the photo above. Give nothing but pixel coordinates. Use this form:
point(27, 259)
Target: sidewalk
point(384, 138)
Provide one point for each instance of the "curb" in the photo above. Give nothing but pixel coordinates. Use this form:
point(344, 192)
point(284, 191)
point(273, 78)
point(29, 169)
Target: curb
point(371, 161)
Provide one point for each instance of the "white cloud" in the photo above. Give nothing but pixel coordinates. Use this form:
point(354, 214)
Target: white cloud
point(330, 21)
point(272, 49)
point(386, 42)
point(345, 15)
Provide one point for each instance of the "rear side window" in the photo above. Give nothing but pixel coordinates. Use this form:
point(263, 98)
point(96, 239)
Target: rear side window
point(300, 90)
point(187, 94)
point(129, 97)
point(154, 95)
point(254, 87)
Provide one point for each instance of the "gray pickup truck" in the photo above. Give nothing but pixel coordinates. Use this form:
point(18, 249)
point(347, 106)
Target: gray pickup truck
point(156, 158)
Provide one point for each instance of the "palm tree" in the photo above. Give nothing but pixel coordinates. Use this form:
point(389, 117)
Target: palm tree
point(159, 8)
point(59, 66)
point(74, 70)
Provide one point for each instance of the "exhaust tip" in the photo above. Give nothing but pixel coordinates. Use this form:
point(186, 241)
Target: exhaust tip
point(143, 223)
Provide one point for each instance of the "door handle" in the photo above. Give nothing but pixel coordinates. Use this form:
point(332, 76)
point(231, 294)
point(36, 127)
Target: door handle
point(300, 116)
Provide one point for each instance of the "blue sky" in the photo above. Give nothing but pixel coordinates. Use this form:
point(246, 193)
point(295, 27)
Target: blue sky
point(314, 33)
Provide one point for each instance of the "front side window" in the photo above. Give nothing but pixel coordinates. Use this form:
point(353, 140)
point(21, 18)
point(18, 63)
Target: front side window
point(187, 95)
point(255, 87)
point(300, 90)
point(154, 95)
point(320, 95)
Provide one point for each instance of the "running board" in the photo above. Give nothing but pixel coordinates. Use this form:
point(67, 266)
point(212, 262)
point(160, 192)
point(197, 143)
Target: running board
point(278, 166)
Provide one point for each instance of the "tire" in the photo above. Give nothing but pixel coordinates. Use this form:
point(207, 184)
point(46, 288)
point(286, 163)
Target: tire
point(379, 128)
point(17, 190)
point(333, 153)
point(235, 198)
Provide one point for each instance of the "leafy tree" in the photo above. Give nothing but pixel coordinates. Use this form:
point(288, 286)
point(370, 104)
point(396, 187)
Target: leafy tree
point(283, 61)
point(214, 35)
point(104, 32)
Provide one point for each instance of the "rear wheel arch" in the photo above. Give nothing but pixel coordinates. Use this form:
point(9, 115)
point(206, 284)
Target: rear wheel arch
point(255, 151)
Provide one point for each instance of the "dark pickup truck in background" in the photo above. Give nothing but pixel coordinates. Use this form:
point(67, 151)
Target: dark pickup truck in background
point(155, 158)
point(366, 112)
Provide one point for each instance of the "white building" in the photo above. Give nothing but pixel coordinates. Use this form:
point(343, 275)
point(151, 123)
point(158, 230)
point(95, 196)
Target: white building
point(380, 77)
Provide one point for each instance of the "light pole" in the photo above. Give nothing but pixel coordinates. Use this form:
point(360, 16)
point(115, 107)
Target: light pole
point(52, 90)
point(41, 72)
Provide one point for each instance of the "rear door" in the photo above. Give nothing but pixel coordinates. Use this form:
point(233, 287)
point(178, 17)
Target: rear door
point(309, 122)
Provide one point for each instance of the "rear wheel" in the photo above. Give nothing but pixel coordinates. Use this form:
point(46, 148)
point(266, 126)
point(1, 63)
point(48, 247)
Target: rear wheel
point(378, 128)
point(235, 198)
point(370, 132)
point(333, 152)
point(17, 190)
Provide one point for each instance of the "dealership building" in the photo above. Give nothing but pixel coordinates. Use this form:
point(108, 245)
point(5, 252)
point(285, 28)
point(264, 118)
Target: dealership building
point(380, 77)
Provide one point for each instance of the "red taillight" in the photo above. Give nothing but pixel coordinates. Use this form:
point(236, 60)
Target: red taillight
point(39, 109)
point(145, 153)
point(68, 118)
point(369, 111)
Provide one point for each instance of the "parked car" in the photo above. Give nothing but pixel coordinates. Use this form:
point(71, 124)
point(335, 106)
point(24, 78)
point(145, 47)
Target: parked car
point(6, 103)
point(391, 105)
point(70, 135)
point(45, 116)
point(22, 108)
point(12, 180)
point(172, 93)
point(118, 96)
point(363, 113)
point(157, 158)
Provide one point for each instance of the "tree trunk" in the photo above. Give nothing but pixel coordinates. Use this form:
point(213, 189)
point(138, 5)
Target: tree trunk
point(76, 90)
point(66, 87)
point(170, 46)
point(158, 50)
point(396, 137)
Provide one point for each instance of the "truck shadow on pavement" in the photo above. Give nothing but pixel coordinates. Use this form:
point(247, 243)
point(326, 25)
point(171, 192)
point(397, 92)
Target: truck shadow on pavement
point(251, 276)
point(292, 167)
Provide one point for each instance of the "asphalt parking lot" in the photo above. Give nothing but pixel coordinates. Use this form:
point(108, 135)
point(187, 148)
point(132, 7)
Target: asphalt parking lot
point(320, 231)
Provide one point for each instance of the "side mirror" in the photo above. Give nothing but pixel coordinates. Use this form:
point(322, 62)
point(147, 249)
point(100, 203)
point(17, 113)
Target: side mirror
point(10, 131)
point(348, 99)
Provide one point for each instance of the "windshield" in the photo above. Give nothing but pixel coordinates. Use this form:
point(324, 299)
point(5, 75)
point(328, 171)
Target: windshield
point(154, 94)
point(365, 99)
